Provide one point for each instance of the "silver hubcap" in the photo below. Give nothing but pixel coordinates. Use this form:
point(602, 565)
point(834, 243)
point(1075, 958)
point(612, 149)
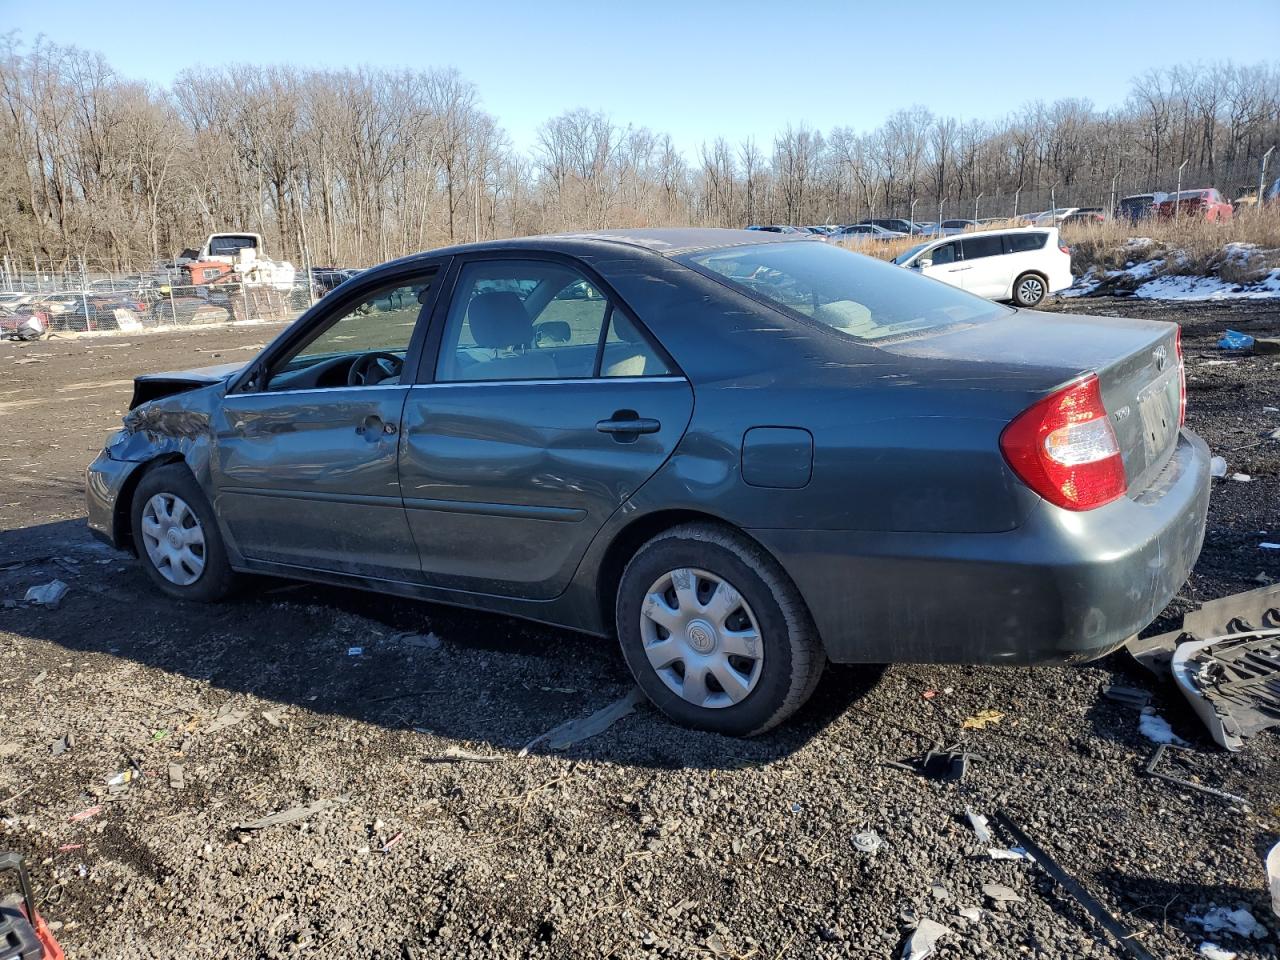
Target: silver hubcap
point(173, 538)
point(701, 638)
point(1030, 290)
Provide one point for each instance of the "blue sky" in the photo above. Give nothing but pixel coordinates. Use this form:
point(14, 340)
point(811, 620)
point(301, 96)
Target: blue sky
point(693, 69)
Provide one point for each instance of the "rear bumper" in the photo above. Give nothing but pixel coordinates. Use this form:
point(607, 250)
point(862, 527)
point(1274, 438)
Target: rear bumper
point(1062, 587)
point(105, 479)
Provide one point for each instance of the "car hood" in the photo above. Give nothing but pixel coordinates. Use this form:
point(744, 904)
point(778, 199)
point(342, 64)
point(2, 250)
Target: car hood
point(152, 386)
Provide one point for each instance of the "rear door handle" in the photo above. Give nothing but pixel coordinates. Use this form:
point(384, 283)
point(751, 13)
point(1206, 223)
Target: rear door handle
point(628, 425)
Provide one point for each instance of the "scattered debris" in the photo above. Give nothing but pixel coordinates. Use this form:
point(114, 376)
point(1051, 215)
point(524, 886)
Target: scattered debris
point(1133, 697)
point(68, 847)
point(1239, 921)
point(1156, 728)
point(575, 731)
point(226, 718)
point(1215, 952)
point(1012, 853)
point(292, 815)
point(868, 841)
point(1269, 546)
point(1150, 770)
point(1235, 340)
point(949, 764)
point(923, 940)
point(355, 651)
point(62, 745)
point(1076, 890)
point(1256, 609)
point(47, 594)
point(1217, 467)
point(970, 913)
point(85, 814)
point(275, 715)
point(458, 754)
point(939, 892)
point(421, 641)
point(1232, 682)
point(999, 893)
point(176, 780)
point(120, 782)
point(392, 842)
point(1241, 477)
point(982, 720)
point(981, 826)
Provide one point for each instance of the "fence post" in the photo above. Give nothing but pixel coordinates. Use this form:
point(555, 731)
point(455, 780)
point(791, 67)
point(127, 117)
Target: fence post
point(1177, 191)
point(173, 307)
point(976, 201)
point(1262, 178)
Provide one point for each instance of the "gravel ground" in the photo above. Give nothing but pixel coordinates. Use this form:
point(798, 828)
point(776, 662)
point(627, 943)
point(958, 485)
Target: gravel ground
point(647, 840)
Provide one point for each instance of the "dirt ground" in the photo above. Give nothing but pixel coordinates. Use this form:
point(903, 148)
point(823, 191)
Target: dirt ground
point(647, 840)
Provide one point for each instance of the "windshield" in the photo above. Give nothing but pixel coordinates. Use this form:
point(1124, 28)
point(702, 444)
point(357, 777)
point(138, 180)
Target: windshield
point(862, 297)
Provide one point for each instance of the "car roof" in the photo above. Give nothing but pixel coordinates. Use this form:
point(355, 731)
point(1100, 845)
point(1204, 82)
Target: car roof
point(667, 242)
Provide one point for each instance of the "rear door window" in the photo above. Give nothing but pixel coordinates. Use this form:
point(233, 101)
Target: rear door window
point(1026, 242)
point(978, 246)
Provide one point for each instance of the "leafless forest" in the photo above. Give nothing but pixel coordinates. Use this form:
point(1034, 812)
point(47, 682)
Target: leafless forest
point(356, 166)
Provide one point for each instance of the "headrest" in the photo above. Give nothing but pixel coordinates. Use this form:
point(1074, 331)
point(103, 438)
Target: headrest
point(499, 320)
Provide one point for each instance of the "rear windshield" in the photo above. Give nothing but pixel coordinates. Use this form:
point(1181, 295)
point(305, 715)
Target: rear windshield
point(862, 297)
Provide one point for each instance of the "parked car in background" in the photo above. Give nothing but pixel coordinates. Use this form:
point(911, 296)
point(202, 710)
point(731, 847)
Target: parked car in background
point(11, 301)
point(925, 228)
point(26, 322)
point(1205, 204)
point(106, 312)
point(1085, 216)
point(860, 233)
point(1022, 264)
point(1138, 206)
point(951, 227)
point(892, 224)
point(824, 229)
point(1273, 193)
point(919, 475)
point(781, 228)
point(56, 304)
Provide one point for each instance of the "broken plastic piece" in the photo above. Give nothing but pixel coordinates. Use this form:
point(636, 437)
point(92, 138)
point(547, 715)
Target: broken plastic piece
point(1156, 728)
point(47, 594)
point(1150, 770)
point(999, 893)
point(1134, 697)
point(1076, 890)
point(1013, 853)
point(1215, 952)
point(1239, 921)
point(292, 815)
point(980, 826)
point(868, 841)
point(1232, 682)
point(466, 756)
point(1235, 340)
point(923, 940)
point(575, 731)
point(1217, 467)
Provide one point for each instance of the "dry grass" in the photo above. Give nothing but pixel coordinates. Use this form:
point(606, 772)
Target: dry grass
point(1190, 247)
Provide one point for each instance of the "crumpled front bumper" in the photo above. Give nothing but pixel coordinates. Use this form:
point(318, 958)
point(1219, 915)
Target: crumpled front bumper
point(105, 481)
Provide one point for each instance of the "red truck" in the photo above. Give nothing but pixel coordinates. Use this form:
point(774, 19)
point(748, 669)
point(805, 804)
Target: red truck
point(1203, 204)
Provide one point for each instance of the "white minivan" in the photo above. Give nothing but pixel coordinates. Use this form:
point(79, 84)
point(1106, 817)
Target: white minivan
point(1023, 265)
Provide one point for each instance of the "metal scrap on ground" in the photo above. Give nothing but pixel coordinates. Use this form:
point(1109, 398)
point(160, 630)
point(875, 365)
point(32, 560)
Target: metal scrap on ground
point(1150, 770)
point(47, 594)
point(458, 754)
point(982, 720)
point(293, 814)
point(575, 731)
point(923, 940)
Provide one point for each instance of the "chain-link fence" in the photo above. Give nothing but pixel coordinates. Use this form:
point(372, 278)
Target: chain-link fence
point(139, 303)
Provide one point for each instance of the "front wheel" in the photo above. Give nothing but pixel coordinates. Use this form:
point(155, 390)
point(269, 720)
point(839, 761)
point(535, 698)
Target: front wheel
point(715, 633)
point(177, 537)
point(1029, 289)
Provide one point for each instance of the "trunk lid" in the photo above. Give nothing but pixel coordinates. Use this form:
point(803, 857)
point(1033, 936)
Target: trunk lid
point(1136, 362)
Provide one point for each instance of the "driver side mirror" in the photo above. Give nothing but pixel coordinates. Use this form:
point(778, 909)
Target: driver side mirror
point(922, 264)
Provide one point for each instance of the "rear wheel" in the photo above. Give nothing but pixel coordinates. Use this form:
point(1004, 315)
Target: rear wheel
point(1029, 289)
point(715, 633)
point(177, 536)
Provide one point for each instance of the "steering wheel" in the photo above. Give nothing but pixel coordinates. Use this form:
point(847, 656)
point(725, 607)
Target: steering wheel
point(372, 368)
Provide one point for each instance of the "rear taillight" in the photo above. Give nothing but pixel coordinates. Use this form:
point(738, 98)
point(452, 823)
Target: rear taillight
point(1065, 249)
point(1064, 448)
point(1182, 380)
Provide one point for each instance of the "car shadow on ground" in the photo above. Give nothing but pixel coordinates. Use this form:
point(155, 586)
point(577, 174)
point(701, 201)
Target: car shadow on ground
point(490, 682)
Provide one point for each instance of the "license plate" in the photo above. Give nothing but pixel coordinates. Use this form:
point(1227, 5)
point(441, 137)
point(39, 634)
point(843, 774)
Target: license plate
point(1158, 406)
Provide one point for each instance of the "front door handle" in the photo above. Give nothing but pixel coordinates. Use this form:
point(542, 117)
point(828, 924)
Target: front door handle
point(373, 426)
point(627, 425)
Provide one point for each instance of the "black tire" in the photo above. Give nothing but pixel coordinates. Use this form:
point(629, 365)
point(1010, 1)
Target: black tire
point(1030, 289)
point(793, 655)
point(216, 580)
